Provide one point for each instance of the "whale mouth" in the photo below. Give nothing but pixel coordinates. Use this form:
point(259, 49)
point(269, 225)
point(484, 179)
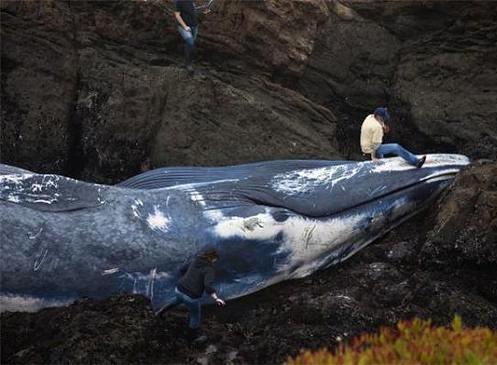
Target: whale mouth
point(442, 175)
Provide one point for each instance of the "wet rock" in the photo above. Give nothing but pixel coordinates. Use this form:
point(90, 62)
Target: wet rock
point(401, 252)
point(466, 223)
point(433, 64)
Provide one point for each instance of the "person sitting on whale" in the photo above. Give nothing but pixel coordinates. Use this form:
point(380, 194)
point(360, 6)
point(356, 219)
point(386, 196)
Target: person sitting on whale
point(372, 131)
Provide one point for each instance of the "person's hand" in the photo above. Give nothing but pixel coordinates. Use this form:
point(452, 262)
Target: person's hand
point(220, 302)
point(376, 161)
point(188, 29)
point(207, 11)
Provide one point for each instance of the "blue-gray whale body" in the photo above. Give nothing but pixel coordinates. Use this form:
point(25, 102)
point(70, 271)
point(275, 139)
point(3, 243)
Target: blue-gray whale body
point(63, 239)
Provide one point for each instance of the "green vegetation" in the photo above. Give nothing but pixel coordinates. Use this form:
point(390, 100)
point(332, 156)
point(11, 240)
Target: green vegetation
point(412, 342)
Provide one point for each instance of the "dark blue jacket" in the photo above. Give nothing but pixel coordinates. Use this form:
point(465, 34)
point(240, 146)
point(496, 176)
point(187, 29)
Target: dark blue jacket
point(197, 277)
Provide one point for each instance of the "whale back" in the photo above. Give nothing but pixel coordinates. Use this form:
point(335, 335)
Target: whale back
point(314, 188)
point(310, 188)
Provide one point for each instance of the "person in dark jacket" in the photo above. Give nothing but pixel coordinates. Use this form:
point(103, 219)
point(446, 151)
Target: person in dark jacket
point(187, 19)
point(196, 278)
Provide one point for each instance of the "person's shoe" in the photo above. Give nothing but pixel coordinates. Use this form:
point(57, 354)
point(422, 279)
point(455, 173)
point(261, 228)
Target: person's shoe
point(196, 335)
point(200, 339)
point(190, 69)
point(421, 162)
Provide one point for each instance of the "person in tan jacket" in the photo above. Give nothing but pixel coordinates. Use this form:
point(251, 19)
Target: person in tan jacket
point(372, 131)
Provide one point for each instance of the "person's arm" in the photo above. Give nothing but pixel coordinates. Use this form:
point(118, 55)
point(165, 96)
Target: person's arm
point(183, 269)
point(181, 22)
point(208, 280)
point(177, 15)
point(376, 140)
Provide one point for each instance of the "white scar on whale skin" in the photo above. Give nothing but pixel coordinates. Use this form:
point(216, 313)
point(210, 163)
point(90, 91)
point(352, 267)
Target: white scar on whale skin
point(36, 188)
point(13, 199)
point(16, 179)
point(158, 221)
point(39, 261)
point(110, 271)
point(198, 198)
point(150, 286)
point(306, 180)
point(34, 236)
point(135, 206)
point(142, 283)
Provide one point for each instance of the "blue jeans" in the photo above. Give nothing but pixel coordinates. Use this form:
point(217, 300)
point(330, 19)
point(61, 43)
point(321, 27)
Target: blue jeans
point(193, 305)
point(398, 150)
point(188, 37)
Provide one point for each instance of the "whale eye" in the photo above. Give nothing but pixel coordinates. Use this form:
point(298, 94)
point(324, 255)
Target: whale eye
point(280, 216)
point(279, 237)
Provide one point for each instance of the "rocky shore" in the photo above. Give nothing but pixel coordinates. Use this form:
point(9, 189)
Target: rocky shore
point(92, 89)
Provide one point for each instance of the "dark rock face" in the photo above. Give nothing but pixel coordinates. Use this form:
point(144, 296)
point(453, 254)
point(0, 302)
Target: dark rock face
point(91, 89)
point(466, 230)
point(467, 219)
point(431, 267)
point(275, 36)
point(432, 63)
point(105, 79)
point(39, 71)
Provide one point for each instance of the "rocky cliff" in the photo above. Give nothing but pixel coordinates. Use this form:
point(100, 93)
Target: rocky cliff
point(92, 89)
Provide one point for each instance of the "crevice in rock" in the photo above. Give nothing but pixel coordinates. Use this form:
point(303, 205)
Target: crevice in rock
point(75, 159)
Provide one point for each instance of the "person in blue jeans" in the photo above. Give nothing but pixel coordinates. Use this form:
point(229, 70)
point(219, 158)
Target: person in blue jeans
point(372, 131)
point(187, 19)
point(196, 278)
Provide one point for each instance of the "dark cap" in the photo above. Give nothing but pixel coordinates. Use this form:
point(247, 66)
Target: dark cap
point(383, 113)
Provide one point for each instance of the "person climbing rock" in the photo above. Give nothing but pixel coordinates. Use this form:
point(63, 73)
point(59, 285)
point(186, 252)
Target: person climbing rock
point(196, 278)
point(372, 130)
point(187, 18)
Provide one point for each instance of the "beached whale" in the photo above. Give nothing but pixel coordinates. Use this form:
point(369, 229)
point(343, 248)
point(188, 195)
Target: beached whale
point(62, 239)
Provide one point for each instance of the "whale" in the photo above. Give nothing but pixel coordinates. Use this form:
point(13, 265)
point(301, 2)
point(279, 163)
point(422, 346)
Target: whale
point(63, 239)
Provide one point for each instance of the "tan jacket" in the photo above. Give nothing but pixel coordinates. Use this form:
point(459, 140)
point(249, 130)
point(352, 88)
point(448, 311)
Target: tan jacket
point(371, 134)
